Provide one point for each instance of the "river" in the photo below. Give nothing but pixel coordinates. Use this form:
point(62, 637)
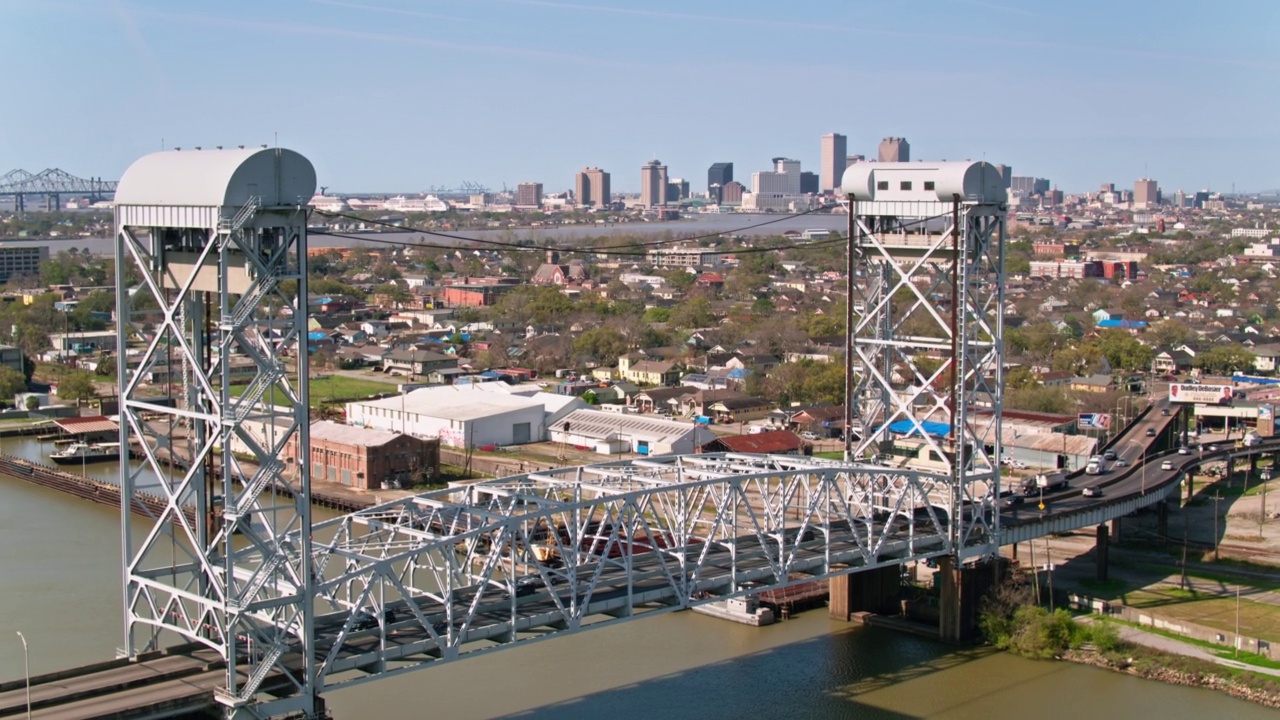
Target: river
point(61, 579)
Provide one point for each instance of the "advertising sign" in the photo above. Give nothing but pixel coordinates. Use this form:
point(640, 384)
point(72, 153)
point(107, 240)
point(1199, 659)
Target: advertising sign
point(1094, 421)
point(1202, 394)
point(1266, 420)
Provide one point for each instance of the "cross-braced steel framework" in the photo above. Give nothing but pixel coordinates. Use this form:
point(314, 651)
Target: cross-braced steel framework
point(927, 293)
point(445, 574)
point(216, 299)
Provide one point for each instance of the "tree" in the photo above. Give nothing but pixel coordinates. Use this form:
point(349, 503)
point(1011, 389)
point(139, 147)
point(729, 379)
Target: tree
point(656, 315)
point(32, 402)
point(1168, 332)
point(106, 366)
point(695, 312)
point(1123, 351)
point(1224, 360)
point(11, 382)
point(77, 385)
point(602, 343)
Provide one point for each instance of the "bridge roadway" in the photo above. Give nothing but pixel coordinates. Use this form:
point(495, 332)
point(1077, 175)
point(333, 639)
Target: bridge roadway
point(172, 683)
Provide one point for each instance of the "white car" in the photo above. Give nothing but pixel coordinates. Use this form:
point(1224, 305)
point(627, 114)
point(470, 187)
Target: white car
point(1121, 462)
point(1184, 450)
point(1166, 465)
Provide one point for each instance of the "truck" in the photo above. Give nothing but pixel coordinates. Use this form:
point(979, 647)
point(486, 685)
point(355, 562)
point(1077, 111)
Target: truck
point(1044, 482)
point(1096, 466)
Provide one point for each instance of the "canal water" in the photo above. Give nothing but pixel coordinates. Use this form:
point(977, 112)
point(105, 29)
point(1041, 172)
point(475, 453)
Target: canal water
point(59, 569)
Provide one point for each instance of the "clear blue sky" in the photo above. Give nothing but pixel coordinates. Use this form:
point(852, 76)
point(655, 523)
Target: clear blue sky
point(401, 95)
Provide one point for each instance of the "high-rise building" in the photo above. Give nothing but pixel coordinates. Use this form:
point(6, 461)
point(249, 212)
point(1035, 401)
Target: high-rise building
point(591, 187)
point(720, 173)
point(529, 194)
point(784, 178)
point(653, 184)
point(1027, 186)
point(677, 190)
point(1145, 194)
point(1006, 175)
point(894, 149)
point(731, 194)
point(832, 163)
point(809, 184)
point(853, 160)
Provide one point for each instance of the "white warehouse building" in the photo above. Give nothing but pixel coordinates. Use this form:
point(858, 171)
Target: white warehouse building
point(612, 433)
point(461, 416)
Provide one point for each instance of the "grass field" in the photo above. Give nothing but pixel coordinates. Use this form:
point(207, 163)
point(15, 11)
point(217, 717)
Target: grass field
point(332, 388)
point(1215, 611)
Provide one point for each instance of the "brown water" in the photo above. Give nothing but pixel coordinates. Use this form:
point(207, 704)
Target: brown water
point(59, 570)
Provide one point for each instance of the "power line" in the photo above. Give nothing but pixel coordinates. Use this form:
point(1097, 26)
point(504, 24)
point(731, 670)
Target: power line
point(654, 243)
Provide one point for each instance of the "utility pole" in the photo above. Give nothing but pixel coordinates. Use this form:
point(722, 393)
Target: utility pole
point(1237, 622)
point(1048, 564)
point(1216, 497)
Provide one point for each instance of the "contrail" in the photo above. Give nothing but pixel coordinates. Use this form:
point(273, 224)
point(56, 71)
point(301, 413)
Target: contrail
point(393, 11)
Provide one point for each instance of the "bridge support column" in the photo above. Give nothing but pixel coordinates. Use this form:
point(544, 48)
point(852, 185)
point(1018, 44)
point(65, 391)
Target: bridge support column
point(1191, 487)
point(1231, 470)
point(1115, 530)
point(874, 591)
point(1162, 520)
point(960, 591)
point(1102, 548)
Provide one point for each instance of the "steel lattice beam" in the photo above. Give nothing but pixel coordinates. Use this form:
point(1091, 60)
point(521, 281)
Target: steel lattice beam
point(51, 181)
point(927, 294)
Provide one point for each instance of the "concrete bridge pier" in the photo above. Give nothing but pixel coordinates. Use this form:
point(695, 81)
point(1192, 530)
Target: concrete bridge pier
point(876, 591)
point(960, 592)
point(1102, 548)
point(1115, 530)
point(1162, 520)
point(1231, 470)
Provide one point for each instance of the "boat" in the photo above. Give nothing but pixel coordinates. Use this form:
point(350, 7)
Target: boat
point(78, 452)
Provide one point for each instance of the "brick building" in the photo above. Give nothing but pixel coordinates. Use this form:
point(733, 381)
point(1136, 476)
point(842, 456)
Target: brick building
point(368, 459)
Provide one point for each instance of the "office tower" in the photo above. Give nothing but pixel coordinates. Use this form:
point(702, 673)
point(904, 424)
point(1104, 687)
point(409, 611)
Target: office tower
point(809, 184)
point(720, 173)
point(853, 160)
point(653, 184)
point(591, 187)
point(677, 190)
point(1145, 194)
point(1006, 175)
point(894, 149)
point(732, 192)
point(529, 194)
point(832, 163)
point(784, 178)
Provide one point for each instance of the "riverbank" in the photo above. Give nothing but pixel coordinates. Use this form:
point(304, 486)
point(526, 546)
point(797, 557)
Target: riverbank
point(1180, 669)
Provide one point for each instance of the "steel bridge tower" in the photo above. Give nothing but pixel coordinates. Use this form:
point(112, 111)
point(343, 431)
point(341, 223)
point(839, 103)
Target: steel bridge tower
point(211, 263)
point(924, 364)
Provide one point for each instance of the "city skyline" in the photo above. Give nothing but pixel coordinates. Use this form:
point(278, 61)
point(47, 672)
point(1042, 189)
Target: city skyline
point(1090, 103)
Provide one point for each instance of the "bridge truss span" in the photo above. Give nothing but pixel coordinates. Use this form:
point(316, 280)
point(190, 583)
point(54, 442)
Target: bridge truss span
point(440, 575)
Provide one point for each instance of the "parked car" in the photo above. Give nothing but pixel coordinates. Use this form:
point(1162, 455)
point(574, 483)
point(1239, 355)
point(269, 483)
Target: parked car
point(1212, 448)
point(809, 435)
point(1164, 412)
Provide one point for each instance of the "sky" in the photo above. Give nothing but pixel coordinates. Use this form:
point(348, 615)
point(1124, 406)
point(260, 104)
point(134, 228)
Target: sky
point(405, 95)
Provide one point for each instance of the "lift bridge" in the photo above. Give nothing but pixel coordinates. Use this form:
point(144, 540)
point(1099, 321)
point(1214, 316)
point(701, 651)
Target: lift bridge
point(292, 608)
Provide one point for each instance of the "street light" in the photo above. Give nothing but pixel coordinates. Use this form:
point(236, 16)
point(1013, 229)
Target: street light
point(26, 668)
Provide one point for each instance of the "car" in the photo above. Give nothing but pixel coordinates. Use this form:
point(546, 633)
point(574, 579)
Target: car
point(1013, 501)
point(1166, 465)
point(1184, 450)
point(1091, 492)
point(1151, 432)
point(809, 435)
point(1109, 455)
point(367, 619)
point(1121, 462)
point(1164, 412)
point(1212, 448)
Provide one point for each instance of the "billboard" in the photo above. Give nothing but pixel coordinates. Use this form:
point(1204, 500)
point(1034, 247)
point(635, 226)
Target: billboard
point(1094, 421)
point(1202, 394)
point(1266, 420)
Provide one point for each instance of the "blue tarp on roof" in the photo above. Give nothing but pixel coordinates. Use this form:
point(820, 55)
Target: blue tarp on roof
point(1124, 324)
point(1242, 378)
point(906, 427)
point(317, 335)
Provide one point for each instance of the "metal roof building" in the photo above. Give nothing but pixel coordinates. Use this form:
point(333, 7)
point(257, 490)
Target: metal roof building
point(610, 433)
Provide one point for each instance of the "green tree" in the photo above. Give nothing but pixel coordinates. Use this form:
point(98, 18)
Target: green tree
point(1167, 333)
point(11, 383)
point(602, 343)
point(106, 366)
point(656, 315)
point(1224, 360)
point(77, 385)
point(1123, 351)
point(694, 312)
